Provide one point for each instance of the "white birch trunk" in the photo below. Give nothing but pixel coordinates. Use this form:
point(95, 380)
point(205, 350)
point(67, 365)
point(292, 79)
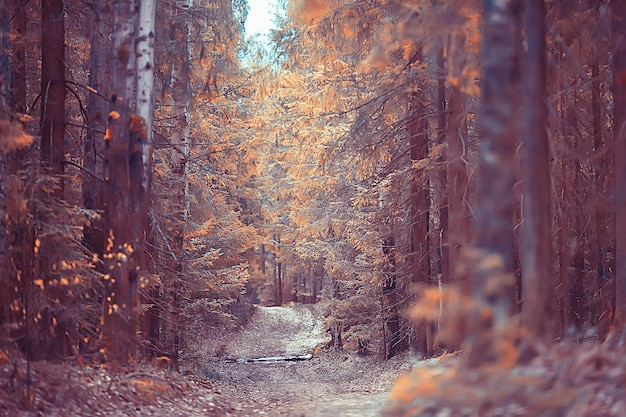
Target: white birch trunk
point(145, 81)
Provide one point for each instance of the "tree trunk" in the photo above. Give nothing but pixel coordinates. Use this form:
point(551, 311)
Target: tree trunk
point(141, 166)
point(577, 278)
point(120, 318)
point(564, 256)
point(440, 181)
point(619, 94)
point(418, 143)
point(18, 61)
point(458, 219)
point(601, 302)
point(536, 248)
point(492, 276)
point(93, 144)
point(53, 86)
point(6, 270)
point(17, 102)
point(52, 159)
point(178, 182)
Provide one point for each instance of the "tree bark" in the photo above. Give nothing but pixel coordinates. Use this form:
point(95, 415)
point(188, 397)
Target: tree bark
point(6, 279)
point(52, 160)
point(120, 318)
point(420, 207)
point(440, 182)
point(17, 102)
point(458, 218)
point(18, 61)
point(601, 302)
point(141, 165)
point(96, 109)
point(492, 276)
point(53, 86)
point(178, 182)
point(619, 103)
point(536, 247)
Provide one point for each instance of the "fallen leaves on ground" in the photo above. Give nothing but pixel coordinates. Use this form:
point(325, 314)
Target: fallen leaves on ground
point(72, 390)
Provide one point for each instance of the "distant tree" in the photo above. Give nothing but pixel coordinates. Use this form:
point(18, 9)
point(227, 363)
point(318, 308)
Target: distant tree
point(420, 207)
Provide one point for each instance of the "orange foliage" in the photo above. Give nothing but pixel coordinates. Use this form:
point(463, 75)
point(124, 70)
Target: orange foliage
point(13, 137)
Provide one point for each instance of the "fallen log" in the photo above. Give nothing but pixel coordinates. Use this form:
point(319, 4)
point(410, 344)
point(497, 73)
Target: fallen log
point(271, 359)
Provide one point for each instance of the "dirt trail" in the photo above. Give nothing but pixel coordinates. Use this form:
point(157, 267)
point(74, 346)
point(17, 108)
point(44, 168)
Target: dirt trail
point(330, 384)
point(275, 331)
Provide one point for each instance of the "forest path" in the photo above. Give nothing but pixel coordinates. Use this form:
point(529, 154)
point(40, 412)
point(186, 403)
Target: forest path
point(290, 330)
point(330, 384)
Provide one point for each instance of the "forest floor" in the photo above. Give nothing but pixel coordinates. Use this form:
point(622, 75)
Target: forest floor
point(329, 384)
point(574, 378)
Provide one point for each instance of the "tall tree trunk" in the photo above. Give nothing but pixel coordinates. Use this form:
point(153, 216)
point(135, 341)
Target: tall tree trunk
point(492, 276)
point(577, 278)
point(143, 164)
point(178, 182)
point(563, 295)
point(95, 233)
point(53, 86)
point(619, 103)
point(602, 302)
point(6, 270)
point(18, 61)
point(441, 180)
point(536, 248)
point(395, 341)
point(52, 159)
point(17, 102)
point(93, 144)
point(456, 134)
point(120, 318)
point(420, 207)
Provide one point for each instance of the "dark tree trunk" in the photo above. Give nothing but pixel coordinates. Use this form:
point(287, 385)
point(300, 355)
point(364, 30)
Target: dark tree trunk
point(17, 102)
point(602, 309)
point(6, 273)
point(577, 278)
point(53, 86)
point(395, 341)
point(619, 94)
point(420, 207)
point(494, 238)
point(120, 318)
point(440, 182)
point(536, 248)
point(563, 295)
point(97, 109)
point(18, 61)
point(458, 219)
point(52, 159)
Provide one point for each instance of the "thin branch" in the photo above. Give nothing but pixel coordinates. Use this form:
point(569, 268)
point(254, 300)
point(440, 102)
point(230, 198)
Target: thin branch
point(83, 169)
